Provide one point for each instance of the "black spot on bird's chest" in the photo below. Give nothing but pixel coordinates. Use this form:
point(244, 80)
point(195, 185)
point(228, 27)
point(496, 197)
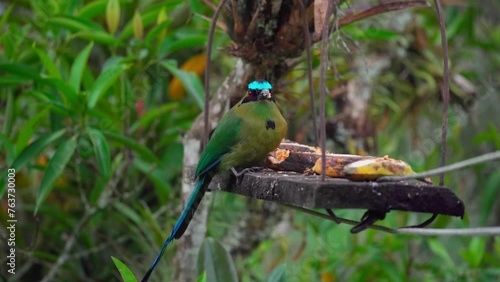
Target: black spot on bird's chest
point(270, 124)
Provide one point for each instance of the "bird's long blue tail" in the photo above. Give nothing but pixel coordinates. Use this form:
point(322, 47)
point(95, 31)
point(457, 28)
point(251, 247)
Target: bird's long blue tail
point(182, 222)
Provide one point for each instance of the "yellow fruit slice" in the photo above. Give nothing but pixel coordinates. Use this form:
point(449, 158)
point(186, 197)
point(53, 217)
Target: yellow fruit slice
point(371, 169)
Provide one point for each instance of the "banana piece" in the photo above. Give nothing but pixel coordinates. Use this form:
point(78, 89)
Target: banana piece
point(306, 159)
point(335, 164)
point(371, 169)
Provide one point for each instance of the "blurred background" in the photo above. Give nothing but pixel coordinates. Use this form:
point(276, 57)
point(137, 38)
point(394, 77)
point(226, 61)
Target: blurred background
point(97, 96)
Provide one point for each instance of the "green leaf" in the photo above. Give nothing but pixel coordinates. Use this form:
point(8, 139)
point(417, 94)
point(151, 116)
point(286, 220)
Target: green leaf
point(54, 169)
point(20, 70)
point(202, 277)
point(27, 72)
point(455, 25)
point(26, 131)
point(155, 31)
point(97, 190)
point(427, 77)
point(149, 221)
point(5, 16)
point(147, 19)
point(196, 6)
point(93, 9)
point(101, 152)
point(125, 272)
point(373, 34)
point(278, 274)
point(156, 176)
point(491, 135)
point(66, 91)
point(474, 254)
point(112, 15)
point(216, 261)
point(9, 114)
point(104, 82)
point(35, 148)
point(151, 115)
point(477, 247)
point(99, 37)
point(144, 152)
point(439, 249)
point(6, 81)
point(10, 149)
point(47, 61)
point(50, 100)
point(75, 24)
point(78, 67)
point(190, 81)
point(185, 42)
point(490, 196)
point(128, 212)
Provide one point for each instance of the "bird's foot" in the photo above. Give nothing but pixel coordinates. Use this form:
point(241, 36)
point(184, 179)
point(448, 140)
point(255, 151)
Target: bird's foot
point(246, 170)
point(242, 172)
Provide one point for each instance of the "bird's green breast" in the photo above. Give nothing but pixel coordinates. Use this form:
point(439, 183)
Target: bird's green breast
point(261, 130)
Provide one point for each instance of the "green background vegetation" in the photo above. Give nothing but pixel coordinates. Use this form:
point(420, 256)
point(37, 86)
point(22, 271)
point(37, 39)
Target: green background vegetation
point(96, 140)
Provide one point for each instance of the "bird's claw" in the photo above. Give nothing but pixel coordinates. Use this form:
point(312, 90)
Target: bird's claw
point(242, 172)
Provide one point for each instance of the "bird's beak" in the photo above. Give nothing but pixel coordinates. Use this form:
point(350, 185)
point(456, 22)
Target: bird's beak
point(265, 93)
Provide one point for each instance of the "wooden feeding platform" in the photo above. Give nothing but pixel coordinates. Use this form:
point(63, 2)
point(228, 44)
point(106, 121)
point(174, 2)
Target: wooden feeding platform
point(307, 191)
point(291, 181)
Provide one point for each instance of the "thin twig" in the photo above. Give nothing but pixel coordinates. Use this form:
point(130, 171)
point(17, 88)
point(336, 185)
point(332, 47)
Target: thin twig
point(307, 37)
point(209, 4)
point(96, 249)
point(221, 25)
point(379, 9)
point(69, 245)
point(207, 71)
point(445, 90)
point(322, 86)
point(333, 216)
point(476, 231)
point(441, 170)
point(338, 220)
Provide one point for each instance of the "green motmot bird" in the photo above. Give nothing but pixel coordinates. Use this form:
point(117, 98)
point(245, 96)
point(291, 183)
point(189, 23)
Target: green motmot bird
point(244, 136)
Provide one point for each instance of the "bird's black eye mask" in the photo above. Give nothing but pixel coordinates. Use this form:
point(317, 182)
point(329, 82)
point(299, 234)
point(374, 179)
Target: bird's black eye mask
point(254, 94)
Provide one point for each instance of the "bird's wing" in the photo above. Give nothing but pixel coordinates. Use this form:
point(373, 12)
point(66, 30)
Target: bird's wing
point(225, 136)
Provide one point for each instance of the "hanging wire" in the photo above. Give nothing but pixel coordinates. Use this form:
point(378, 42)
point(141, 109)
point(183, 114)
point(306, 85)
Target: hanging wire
point(307, 36)
point(207, 72)
point(322, 87)
point(445, 90)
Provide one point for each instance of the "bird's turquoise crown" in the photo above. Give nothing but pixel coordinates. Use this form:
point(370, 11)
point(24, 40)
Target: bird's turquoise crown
point(259, 85)
point(254, 88)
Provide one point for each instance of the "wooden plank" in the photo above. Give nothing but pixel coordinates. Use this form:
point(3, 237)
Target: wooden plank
point(308, 191)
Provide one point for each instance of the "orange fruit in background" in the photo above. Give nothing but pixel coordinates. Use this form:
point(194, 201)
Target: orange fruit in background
point(195, 64)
